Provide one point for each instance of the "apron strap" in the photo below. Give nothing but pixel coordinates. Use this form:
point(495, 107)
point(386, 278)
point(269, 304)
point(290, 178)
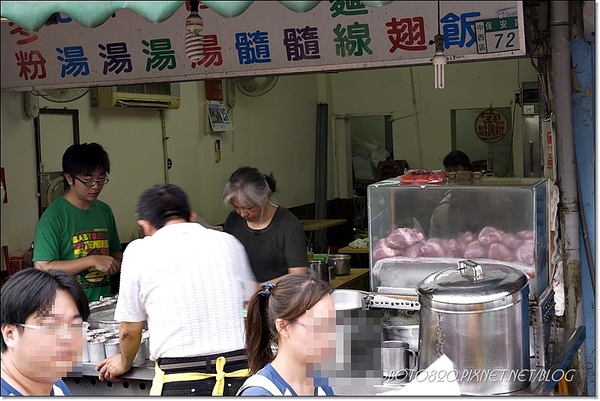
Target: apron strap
point(160, 377)
point(158, 380)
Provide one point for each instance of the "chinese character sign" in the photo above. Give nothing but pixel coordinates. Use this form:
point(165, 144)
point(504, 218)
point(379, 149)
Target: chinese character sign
point(491, 125)
point(267, 39)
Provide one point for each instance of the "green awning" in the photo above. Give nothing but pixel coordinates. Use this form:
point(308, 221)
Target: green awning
point(32, 15)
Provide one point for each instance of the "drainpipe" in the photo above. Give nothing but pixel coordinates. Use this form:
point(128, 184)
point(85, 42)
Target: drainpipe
point(567, 175)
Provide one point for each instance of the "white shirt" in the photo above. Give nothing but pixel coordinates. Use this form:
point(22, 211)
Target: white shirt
point(189, 283)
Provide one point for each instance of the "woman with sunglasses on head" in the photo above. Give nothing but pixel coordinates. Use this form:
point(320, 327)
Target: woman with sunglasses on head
point(297, 315)
point(77, 233)
point(42, 331)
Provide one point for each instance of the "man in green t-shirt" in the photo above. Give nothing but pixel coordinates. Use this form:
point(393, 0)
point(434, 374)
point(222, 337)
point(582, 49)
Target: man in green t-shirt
point(77, 233)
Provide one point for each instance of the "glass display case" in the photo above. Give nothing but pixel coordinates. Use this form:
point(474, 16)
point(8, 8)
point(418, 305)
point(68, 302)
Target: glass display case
point(416, 230)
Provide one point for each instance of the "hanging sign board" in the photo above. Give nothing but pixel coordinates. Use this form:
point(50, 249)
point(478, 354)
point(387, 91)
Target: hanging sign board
point(267, 39)
point(491, 125)
point(497, 35)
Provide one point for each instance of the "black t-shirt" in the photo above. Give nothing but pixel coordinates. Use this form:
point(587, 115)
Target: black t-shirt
point(272, 250)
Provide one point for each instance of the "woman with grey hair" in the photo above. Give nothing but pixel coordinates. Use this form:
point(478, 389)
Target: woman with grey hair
point(273, 237)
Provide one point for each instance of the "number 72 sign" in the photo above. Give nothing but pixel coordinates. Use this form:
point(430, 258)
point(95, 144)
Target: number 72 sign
point(497, 35)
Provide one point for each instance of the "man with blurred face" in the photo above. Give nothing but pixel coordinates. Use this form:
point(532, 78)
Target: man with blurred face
point(42, 331)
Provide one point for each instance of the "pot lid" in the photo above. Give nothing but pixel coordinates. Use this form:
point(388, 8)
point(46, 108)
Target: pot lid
point(472, 283)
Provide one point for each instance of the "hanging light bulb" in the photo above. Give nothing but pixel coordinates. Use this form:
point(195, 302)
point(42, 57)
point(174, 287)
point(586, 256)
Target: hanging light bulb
point(439, 62)
point(194, 40)
point(439, 59)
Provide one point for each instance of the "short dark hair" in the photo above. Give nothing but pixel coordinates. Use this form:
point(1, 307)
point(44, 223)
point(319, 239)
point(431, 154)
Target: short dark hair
point(161, 203)
point(84, 159)
point(457, 158)
point(32, 290)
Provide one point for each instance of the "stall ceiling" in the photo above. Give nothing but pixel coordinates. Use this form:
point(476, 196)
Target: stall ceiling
point(33, 15)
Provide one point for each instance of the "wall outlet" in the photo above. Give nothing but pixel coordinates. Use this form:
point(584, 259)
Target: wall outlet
point(529, 109)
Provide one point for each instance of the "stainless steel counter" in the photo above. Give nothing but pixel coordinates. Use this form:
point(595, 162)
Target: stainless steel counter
point(142, 372)
point(137, 382)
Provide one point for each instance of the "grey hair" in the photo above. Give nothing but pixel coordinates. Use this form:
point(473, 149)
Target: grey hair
point(249, 186)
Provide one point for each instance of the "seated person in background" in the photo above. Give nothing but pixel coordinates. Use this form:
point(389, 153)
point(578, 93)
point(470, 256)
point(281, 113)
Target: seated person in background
point(42, 331)
point(77, 233)
point(457, 161)
point(273, 237)
point(470, 210)
point(189, 284)
point(298, 315)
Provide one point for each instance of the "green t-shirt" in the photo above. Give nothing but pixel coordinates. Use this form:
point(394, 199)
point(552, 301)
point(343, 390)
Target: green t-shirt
point(66, 232)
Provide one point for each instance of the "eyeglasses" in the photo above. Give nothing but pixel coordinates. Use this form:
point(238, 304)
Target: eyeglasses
point(55, 328)
point(91, 183)
point(321, 326)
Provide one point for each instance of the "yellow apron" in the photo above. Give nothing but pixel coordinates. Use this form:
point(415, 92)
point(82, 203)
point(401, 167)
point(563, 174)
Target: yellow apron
point(160, 377)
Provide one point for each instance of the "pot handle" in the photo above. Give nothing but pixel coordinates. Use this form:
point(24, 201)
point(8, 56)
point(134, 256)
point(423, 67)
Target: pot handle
point(465, 265)
point(414, 359)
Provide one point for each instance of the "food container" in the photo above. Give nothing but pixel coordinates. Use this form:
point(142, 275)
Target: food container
point(348, 299)
point(96, 350)
point(331, 269)
point(103, 317)
point(341, 263)
point(85, 357)
point(142, 353)
point(408, 333)
point(397, 359)
point(112, 347)
point(478, 317)
point(426, 227)
point(320, 269)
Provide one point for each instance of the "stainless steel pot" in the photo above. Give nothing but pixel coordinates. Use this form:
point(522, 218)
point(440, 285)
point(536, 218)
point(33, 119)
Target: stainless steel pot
point(103, 317)
point(409, 334)
point(320, 269)
point(478, 317)
point(348, 299)
point(397, 359)
point(341, 263)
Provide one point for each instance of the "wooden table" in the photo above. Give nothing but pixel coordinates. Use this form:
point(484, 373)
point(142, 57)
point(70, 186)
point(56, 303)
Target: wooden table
point(354, 276)
point(349, 249)
point(361, 255)
point(315, 225)
point(311, 226)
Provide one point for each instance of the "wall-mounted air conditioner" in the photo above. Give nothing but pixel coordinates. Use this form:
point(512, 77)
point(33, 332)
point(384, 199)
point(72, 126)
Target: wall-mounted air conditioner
point(162, 95)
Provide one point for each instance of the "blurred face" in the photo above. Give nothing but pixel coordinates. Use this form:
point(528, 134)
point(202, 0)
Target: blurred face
point(89, 192)
point(313, 333)
point(250, 213)
point(48, 349)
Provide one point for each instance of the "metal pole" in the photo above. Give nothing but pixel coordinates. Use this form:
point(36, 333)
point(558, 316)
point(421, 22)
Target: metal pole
point(566, 170)
point(321, 172)
point(163, 129)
